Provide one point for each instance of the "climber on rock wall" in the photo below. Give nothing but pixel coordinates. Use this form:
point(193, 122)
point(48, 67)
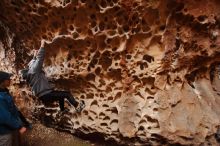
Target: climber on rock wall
point(12, 122)
point(36, 78)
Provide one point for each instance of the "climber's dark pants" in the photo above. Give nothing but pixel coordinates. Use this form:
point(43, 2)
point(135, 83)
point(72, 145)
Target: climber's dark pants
point(59, 96)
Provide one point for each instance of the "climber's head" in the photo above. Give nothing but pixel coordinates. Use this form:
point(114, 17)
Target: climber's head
point(23, 73)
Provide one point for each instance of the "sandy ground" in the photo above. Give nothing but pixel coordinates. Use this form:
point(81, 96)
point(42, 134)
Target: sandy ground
point(43, 136)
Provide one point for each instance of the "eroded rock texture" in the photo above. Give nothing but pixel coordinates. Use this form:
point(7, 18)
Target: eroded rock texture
point(146, 69)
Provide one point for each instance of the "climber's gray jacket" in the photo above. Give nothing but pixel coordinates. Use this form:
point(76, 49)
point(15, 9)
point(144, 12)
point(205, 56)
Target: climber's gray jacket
point(36, 77)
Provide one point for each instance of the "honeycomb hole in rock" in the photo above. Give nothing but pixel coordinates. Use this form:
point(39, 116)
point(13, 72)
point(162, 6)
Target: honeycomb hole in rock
point(138, 115)
point(141, 128)
point(143, 122)
point(94, 103)
point(113, 110)
point(107, 118)
point(101, 26)
point(115, 74)
point(90, 118)
point(118, 96)
point(114, 121)
point(142, 65)
point(91, 112)
point(104, 124)
point(85, 112)
point(202, 18)
point(148, 80)
point(90, 77)
point(148, 58)
point(105, 105)
point(150, 119)
point(102, 115)
point(89, 96)
point(155, 109)
point(110, 98)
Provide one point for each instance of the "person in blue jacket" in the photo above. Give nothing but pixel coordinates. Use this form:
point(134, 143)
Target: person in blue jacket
point(36, 78)
point(11, 119)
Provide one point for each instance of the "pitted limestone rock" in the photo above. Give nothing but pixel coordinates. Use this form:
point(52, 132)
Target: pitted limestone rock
point(147, 70)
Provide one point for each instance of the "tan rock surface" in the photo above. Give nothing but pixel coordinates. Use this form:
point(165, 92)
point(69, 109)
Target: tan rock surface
point(147, 70)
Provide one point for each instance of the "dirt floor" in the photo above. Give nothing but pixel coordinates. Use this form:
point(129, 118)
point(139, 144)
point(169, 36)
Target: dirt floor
point(43, 136)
